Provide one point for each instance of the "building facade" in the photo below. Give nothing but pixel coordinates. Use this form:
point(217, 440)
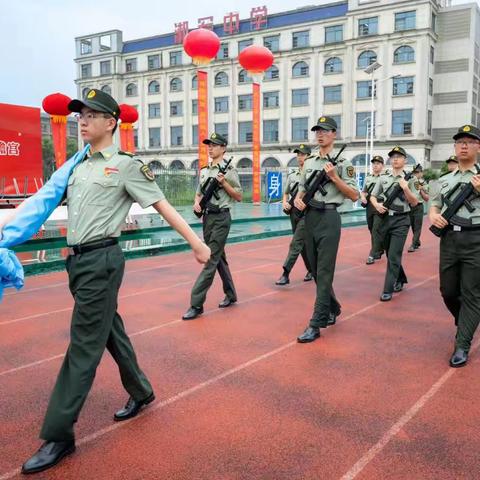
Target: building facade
point(426, 82)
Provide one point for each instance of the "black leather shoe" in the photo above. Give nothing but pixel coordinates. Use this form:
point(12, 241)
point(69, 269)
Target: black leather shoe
point(370, 260)
point(332, 318)
point(308, 277)
point(283, 280)
point(48, 455)
point(309, 335)
point(411, 249)
point(226, 302)
point(192, 312)
point(386, 297)
point(459, 358)
point(132, 408)
point(378, 256)
point(398, 287)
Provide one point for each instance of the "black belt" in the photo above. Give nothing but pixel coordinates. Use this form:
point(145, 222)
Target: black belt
point(88, 247)
point(391, 213)
point(214, 211)
point(458, 228)
point(321, 206)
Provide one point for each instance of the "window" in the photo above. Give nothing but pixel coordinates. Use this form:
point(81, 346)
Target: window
point(365, 59)
point(153, 62)
point(105, 67)
point(245, 134)
point(131, 90)
point(175, 58)
point(338, 119)
point(223, 52)
point(154, 137)
point(300, 69)
point(131, 65)
point(299, 97)
point(243, 77)
point(153, 87)
point(332, 94)
point(434, 22)
point(85, 91)
point(245, 102)
point(86, 70)
point(221, 104)
point(367, 26)
point(403, 86)
point(194, 134)
point(222, 129)
point(85, 46)
point(364, 89)
point(221, 79)
point(272, 43)
point(270, 131)
point(402, 122)
point(405, 21)
point(334, 65)
point(334, 34)
point(107, 89)
point(194, 82)
point(243, 44)
point(430, 86)
point(299, 129)
point(176, 109)
point(153, 110)
point(271, 99)
point(272, 73)
point(176, 136)
point(105, 43)
point(362, 126)
point(300, 39)
point(429, 123)
point(404, 54)
point(432, 54)
point(176, 85)
point(194, 107)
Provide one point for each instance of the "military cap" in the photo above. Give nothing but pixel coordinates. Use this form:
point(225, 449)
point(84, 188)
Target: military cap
point(467, 131)
point(303, 149)
point(216, 139)
point(399, 150)
point(451, 158)
point(98, 101)
point(377, 158)
point(325, 123)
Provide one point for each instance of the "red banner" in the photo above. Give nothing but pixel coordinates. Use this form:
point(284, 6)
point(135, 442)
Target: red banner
point(127, 143)
point(256, 194)
point(59, 134)
point(20, 149)
point(202, 118)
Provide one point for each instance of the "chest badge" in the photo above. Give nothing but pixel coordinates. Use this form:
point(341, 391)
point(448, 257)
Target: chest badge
point(107, 171)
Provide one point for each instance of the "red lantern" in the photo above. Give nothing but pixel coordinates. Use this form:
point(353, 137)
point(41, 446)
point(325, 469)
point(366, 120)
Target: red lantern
point(56, 105)
point(128, 116)
point(202, 45)
point(256, 59)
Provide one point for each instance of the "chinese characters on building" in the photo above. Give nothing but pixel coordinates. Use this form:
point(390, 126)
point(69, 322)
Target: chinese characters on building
point(10, 149)
point(231, 23)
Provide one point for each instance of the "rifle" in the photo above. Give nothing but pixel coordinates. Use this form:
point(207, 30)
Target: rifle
point(291, 200)
point(396, 191)
point(210, 189)
point(316, 183)
point(368, 194)
point(464, 198)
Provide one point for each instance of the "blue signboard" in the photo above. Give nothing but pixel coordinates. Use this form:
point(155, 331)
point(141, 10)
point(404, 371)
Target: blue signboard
point(274, 186)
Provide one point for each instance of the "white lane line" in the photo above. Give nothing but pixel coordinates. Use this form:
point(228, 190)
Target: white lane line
point(402, 421)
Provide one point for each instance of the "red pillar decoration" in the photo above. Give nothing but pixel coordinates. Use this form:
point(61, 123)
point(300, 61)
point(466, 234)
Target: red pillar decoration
point(128, 116)
point(256, 59)
point(56, 105)
point(202, 45)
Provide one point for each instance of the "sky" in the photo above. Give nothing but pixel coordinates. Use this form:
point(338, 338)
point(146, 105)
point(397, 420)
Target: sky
point(37, 44)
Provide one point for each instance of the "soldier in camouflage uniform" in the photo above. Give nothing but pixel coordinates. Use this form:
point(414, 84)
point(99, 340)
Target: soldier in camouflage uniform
point(297, 245)
point(460, 243)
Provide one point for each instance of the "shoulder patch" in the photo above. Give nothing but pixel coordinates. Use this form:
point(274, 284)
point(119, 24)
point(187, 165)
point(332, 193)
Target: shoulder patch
point(147, 173)
point(351, 171)
point(130, 154)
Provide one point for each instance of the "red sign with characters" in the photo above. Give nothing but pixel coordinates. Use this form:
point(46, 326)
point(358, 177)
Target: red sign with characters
point(20, 149)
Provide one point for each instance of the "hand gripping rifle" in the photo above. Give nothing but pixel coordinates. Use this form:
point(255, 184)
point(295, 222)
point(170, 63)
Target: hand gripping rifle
point(210, 189)
point(368, 194)
point(467, 193)
point(291, 200)
point(396, 192)
point(317, 181)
